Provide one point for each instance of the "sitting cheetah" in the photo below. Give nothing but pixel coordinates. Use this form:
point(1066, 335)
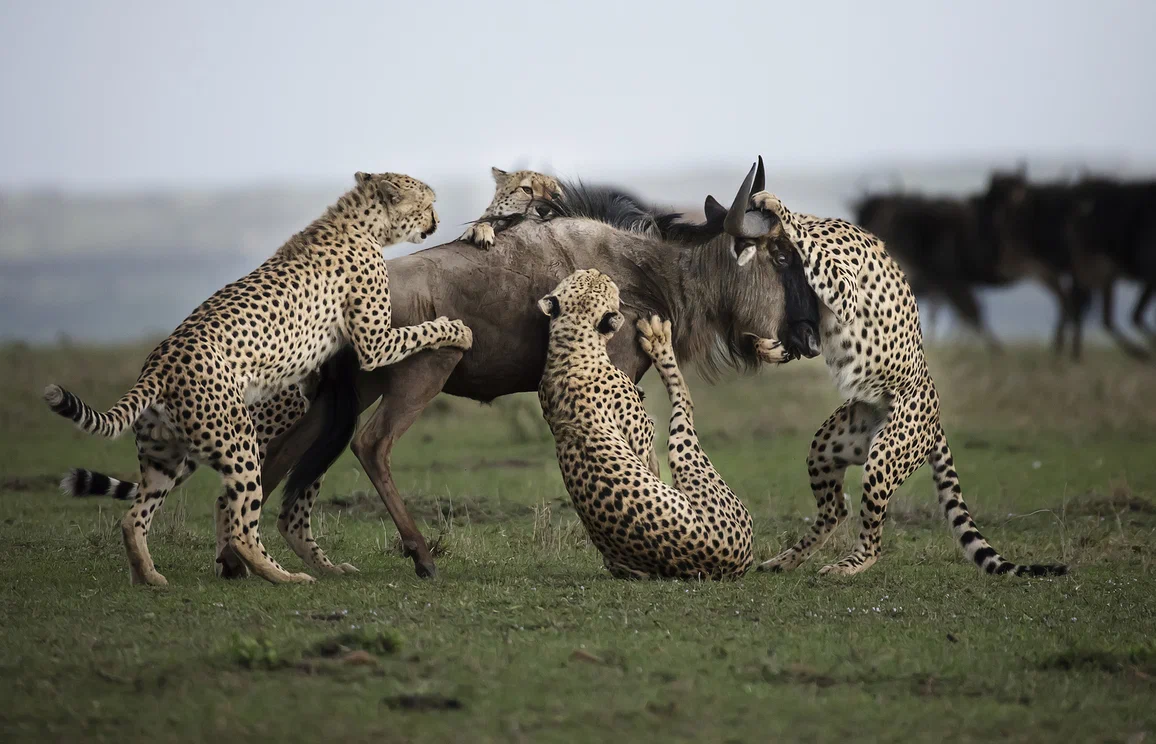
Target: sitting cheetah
point(514, 194)
point(643, 527)
point(871, 340)
point(327, 286)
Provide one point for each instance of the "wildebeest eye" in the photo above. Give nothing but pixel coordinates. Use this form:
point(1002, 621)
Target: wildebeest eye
point(781, 259)
point(527, 189)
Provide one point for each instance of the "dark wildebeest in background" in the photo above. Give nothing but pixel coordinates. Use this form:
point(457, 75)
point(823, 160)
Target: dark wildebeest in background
point(1113, 228)
point(686, 273)
point(946, 248)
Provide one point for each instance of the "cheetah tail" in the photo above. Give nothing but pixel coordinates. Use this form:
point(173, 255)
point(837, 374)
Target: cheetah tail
point(80, 483)
point(963, 526)
point(110, 424)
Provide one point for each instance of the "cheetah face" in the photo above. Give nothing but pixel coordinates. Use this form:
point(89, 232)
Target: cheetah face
point(408, 203)
point(585, 300)
point(516, 193)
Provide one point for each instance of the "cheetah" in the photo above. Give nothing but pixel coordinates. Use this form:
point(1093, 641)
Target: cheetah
point(871, 341)
point(514, 194)
point(253, 340)
point(644, 528)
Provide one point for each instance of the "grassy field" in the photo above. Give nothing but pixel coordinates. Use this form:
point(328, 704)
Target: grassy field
point(523, 637)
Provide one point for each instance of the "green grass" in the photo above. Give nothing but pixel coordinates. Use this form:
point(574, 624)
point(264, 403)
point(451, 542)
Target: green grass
point(523, 637)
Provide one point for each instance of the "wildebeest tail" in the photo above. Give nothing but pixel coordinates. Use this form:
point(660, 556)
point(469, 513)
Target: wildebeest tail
point(337, 396)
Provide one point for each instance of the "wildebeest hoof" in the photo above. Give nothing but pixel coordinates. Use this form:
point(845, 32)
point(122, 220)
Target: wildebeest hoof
point(425, 569)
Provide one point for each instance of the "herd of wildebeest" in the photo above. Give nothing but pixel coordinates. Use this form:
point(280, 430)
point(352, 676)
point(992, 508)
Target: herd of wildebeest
point(1078, 237)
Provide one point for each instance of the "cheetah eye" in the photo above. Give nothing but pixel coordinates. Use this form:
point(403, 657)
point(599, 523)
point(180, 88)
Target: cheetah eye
point(527, 190)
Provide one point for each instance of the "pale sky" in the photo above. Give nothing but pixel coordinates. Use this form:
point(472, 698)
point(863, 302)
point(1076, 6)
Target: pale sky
point(132, 93)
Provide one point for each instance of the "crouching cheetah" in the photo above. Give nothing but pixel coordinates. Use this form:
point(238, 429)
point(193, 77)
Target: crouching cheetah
point(871, 341)
point(643, 527)
point(327, 286)
point(514, 194)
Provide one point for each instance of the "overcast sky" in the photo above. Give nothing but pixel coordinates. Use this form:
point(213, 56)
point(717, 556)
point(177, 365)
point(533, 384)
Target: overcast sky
point(124, 94)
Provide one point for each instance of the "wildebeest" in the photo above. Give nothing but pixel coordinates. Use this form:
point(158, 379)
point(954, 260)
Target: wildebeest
point(684, 272)
point(946, 247)
point(1113, 228)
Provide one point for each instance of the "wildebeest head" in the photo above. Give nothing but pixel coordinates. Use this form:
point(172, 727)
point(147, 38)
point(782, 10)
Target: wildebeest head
point(759, 237)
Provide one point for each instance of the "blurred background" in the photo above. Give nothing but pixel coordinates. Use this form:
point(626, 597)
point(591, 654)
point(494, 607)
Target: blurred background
point(152, 152)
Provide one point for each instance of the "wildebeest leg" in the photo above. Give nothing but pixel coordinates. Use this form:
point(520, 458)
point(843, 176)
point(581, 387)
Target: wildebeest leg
point(965, 303)
point(1081, 300)
point(1064, 311)
point(1138, 311)
point(1109, 322)
point(408, 389)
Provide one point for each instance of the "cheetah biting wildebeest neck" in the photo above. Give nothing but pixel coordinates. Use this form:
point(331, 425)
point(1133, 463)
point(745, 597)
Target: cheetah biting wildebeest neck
point(254, 340)
point(871, 341)
point(643, 527)
point(514, 194)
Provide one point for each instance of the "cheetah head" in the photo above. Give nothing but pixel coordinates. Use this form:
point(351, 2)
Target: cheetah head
point(515, 193)
point(408, 205)
point(584, 301)
point(763, 244)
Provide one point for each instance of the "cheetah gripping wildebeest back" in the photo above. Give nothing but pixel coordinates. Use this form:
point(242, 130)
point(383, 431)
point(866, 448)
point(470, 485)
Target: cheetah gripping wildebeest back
point(252, 341)
point(604, 437)
point(514, 195)
point(871, 340)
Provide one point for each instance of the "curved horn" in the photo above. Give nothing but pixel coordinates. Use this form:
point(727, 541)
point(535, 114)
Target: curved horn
point(760, 183)
point(738, 210)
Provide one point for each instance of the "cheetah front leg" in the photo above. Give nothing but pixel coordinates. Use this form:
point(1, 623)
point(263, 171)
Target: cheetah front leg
point(691, 470)
point(842, 440)
point(480, 235)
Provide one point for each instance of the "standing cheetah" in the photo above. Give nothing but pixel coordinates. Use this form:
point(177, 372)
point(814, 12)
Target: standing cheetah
point(327, 286)
point(643, 527)
point(871, 340)
point(514, 194)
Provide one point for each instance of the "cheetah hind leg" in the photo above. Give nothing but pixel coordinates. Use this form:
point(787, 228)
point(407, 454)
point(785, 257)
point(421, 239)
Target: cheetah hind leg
point(842, 440)
point(295, 525)
point(620, 571)
point(227, 564)
point(897, 450)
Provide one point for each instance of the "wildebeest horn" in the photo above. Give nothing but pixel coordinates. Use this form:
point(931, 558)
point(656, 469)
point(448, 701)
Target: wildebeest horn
point(760, 183)
point(739, 223)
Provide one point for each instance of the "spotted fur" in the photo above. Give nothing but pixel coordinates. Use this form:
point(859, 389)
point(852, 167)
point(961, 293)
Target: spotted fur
point(198, 395)
point(514, 194)
point(644, 528)
point(873, 346)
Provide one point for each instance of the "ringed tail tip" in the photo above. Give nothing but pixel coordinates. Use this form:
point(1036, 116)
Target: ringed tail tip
point(54, 395)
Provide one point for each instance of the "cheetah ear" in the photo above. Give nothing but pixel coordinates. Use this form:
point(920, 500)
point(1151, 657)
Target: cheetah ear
point(610, 323)
point(362, 177)
point(389, 192)
point(498, 174)
point(549, 306)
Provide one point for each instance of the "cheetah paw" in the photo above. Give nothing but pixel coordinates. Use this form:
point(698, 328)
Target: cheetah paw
point(788, 560)
point(481, 235)
point(654, 336)
point(765, 201)
point(300, 578)
point(849, 566)
point(769, 350)
point(458, 334)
